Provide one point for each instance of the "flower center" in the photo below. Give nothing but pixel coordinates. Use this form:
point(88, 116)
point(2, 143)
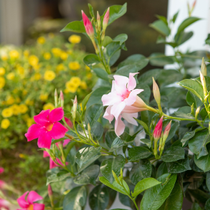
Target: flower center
point(31, 207)
point(49, 126)
point(125, 94)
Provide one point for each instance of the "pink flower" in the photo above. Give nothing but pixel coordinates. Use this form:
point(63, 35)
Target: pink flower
point(158, 129)
point(88, 25)
point(106, 19)
point(47, 127)
point(29, 203)
point(1, 170)
point(69, 123)
point(2, 183)
point(123, 101)
point(4, 204)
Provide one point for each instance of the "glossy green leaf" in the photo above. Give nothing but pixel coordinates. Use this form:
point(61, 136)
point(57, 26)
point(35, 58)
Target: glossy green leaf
point(75, 26)
point(91, 60)
point(184, 112)
point(141, 170)
point(121, 38)
point(173, 154)
point(175, 200)
point(183, 37)
point(193, 86)
point(175, 17)
point(143, 124)
point(101, 73)
point(161, 27)
point(162, 169)
point(196, 206)
point(174, 127)
point(75, 199)
point(203, 162)
point(137, 153)
point(112, 48)
point(163, 18)
point(179, 166)
point(112, 164)
point(156, 196)
point(114, 57)
point(192, 99)
point(86, 156)
point(126, 201)
point(91, 10)
point(160, 59)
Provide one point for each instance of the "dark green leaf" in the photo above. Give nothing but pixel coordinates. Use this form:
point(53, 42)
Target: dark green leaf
point(125, 200)
point(207, 41)
point(183, 37)
point(196, 206)
point(203, 163)
point(179, 166)
point(160, 59)
point(164, 19)
point(91, 60)
point(174, 126)
point(121, 38)
point(101, 73)
point(144, 125)
point(175, 17)
point(192, 99)
point(207, 205)
point(106, 41)
point(208, 180)
point(162, 169)
point(173, 154)
point(91, 10)
point(137, 153)
point(85, 100)
point(161, 27)
point(75, 26)
point(184, 112)
point(112, 48)
point(109, 138)
point(114, 57)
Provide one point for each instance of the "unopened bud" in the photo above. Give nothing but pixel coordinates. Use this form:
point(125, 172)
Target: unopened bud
point(192, 110)
point(106, 19)
point(88, 25)
point(50, 192)
point(203, 68)
point(68, 122)
point(61, 99)
point(156, 93)
point(197, 112)
point(158, 129)
point(56, 97)
point(166, 132)
point(74, 108)
point(203, 82)
point(98, 21)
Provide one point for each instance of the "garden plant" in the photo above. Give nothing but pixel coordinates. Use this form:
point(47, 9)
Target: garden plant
point(142, 135)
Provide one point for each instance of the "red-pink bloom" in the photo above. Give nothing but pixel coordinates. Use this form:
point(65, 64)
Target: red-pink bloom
point(47, 127)
point(123, 101)
point(4, 204)
point(158, 129)
point(28, 204)
point(88, 25)
point(106, 19)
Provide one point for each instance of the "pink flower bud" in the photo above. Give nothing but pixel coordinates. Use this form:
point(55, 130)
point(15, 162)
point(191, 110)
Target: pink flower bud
point(61, 98)
point(74, 108)
point(69, 123)
point(1, 170)
point(88, 25)
point(106, 19)
point(156, 93)
point(166, 131)
point(194, 3)
point(50, 192)
point(158, 129)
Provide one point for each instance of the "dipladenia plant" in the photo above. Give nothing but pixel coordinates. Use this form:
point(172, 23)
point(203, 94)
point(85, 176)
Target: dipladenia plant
point(124, 137)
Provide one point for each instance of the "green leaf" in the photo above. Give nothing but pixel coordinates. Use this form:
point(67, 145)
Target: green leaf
point(115, 12)
point(121, 38)
point(144, 185)
point(85, 100)
point(86, 156)
point(164, 19)
point(88, 176)
point(91, 60)
point(187, 22)
point(141, 170)
point(208, 180)
point(175, 17)
point(91, 10)
point(101, 73)
point(179, 166)
point(203, 163)
point(161, 27)
point(162, 40)
point(207, 204)
point(172, 154)
point(112, 48)
point(162, 169)
point(75, 199)
point(197, 144)
point(194, 87)
point(175, 200)
point(112, 164)
point(144, 125)
point(75, 26)
point(114, 57)
point(138, 153)
point(160, 59)
point(207, 41)
point(126, 201)
point(106, 41)
point(182, 37)
point(174, 127)
point(192, 99)
point(109, 137)
point(184, 112)
point(156, 196)
point(196, 206)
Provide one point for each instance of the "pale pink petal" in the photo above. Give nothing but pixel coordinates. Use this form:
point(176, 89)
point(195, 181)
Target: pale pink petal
point(120, 80)
point(42, 117)
point(33, 197)
point(132, 96)
point(33, 132)
point(66, 141)
point(108, 115)
point(129, 117)
point(38, 206)
point(45, 154)
point(44, 140)
point(22, 202)
point(110, 99)
point(56, 114)
point(119, 126)
point(1, 170)
point(58, 131)
point(132, 81)
point(116, 109)
point(132, 109)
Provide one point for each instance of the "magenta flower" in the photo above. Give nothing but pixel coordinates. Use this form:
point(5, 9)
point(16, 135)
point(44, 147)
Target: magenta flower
point(123, 102)
point(29, 203)
point(88, 25)
point(1, 170)
point(47, 127)
point(158, 129)
point(2, 183)
point(4, 204)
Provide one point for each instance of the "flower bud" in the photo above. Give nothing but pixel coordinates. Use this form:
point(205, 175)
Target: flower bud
point(68, 122)
point(88, 25)
point(197, 112)
point(203, 82)
point(156, 93)
point(1, 170)
point(166, 132)
point(99, 21)
point(158, 129)
point(203, 68)
point(74, 108)
point(50, 192)
point(106, 20)
point(61, 98)
point(56, 98)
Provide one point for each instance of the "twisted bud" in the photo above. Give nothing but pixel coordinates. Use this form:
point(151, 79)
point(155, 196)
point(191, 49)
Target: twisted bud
point(88, 25)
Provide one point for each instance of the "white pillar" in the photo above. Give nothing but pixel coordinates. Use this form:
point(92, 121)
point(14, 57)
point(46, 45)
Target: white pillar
point(11, 28)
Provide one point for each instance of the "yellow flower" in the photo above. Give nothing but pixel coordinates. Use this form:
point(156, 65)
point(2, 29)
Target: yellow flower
point(69, 52)
point(7, 112)
point(10, 76)
point(74, 39)
point(43, 97)
point(17, 100)
point(5, 123)
point(87, 68)
point(2, 71)
point(29, 102)
point(83, 85)
point(14, 54)
point(41, 40)
point(33, 60)
point(22, 156)
point(37, 76)
point(71, 87)
point(21, 70)
point(89, 75)
point(23, 108)
point(74, 65)
point(56, 52)
point(49, 75)
point(48, 106)
point(47, 56)
point(26, 53)
point(64, 56)
point(76, 81)
point(10, 100)
point(4, 57)
point(2, 82)
point(37, 67)
point(15, 109)
point(60, 67)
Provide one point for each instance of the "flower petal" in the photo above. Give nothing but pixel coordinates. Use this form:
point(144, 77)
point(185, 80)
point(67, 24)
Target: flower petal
point(45, 154)
point(52, 164)
point(56, 114)
point(129, 117)
point(110, 99)
point(33, 197)
point(22, 202)
point(108, 115)
point(120, 80)
point(33, 132)
point(116, 109)
point(132, 81)
point(38, 206)
point(133, 109)
point(42, 117)
point(119, 126)
point(58, 131)
point(132, 96)
point(44, 140)
point(1, 170)
point(66, 141)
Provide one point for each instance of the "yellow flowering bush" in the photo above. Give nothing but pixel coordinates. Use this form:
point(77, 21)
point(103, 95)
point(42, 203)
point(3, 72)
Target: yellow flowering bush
point(30, 74)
